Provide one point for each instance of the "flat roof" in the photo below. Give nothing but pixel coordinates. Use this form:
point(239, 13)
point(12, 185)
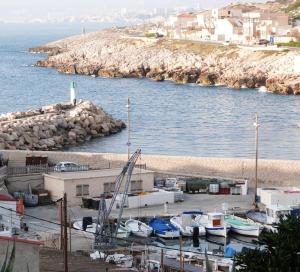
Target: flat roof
point(93, 174)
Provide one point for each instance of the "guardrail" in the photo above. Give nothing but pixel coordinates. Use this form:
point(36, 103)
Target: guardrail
point(41, 169)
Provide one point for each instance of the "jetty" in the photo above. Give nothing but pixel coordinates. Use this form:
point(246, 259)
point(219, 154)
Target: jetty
point(56, 126)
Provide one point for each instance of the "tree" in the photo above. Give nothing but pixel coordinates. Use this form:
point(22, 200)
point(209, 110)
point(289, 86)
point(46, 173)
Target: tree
point(278, 251)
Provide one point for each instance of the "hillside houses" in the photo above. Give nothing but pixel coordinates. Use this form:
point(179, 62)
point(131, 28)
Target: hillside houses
point(231, 25)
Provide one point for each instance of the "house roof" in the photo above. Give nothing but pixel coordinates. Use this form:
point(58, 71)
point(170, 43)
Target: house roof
point(189, 15)
point(20, 240)
point(92, 174)
point(235, 22)
point(6, 198)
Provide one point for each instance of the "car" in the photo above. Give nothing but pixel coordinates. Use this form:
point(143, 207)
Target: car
point(69, 167)
point(263, 42)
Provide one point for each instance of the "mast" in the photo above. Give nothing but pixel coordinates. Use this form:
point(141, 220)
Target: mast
point(128, 126)
point(256, 125)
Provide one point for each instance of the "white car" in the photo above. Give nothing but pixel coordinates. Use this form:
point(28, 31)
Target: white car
point(69, 167)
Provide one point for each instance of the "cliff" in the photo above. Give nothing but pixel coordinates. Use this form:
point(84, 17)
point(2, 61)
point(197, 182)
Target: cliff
point(126, 53)
point(55, 126)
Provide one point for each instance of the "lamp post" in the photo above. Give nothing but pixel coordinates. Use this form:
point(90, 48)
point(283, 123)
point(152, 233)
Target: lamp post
point(256, 125)
point(128, 126)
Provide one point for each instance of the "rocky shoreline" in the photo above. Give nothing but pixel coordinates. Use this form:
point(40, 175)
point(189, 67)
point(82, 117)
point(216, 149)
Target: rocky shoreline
point(123, 53)
point(56, 126)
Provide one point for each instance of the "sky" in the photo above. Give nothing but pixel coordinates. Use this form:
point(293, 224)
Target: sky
point(22, 9)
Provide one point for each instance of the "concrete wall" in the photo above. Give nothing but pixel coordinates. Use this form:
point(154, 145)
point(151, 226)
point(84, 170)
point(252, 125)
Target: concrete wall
point(55, 186)
point(26, 255)
point(20, 183)
point(270, 172)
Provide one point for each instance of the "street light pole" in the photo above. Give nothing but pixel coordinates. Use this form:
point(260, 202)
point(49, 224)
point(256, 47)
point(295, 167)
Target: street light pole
point(256, 125)
point(128, 127)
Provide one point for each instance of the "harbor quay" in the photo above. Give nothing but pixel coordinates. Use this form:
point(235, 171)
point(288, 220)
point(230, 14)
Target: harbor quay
point(41, 173)
point(270, 172)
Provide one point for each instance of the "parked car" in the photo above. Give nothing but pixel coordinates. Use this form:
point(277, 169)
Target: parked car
point(69, 167)
point(263, 42)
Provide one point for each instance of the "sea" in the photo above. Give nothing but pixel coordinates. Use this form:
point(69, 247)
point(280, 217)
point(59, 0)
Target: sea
point(166, 118)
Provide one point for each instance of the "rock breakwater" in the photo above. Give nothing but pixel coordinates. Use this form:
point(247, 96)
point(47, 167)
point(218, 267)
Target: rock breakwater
point(56, 126)
point(125, 53)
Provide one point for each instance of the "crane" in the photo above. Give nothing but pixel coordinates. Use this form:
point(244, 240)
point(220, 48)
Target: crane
point(104, 233)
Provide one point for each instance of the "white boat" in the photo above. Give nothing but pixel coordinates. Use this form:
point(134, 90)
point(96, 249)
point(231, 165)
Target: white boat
point(214, 223)
point(120, 260)
point(243, 226)
point(186, 223)
point(138, 228)
point(123, 232)
point(274, 212)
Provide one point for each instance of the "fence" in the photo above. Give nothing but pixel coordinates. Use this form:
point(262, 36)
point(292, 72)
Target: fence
point(42, 169)
point(3, 171)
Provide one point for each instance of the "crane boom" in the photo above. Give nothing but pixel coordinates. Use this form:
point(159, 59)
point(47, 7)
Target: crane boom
point(103, 230)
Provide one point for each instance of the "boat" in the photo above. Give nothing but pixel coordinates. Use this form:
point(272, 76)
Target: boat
point(214, 223)
point(271, 216)
point(138, 228)
point(186, 223)
point(243, 226)
point(91, 227)
point(29, 199)
point(120, 260)
point(163, 229)
point(275, 212)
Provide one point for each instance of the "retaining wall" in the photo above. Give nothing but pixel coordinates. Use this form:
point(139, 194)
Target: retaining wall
point(270, 172)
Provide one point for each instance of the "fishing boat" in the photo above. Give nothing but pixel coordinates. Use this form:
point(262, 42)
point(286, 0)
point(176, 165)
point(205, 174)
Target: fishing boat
point(214, 223)
point(91, 227)
point(271, 216)
point(186, 223)
point(243, 226)
point(138, 228)
point(163, 229)
point(120, 260)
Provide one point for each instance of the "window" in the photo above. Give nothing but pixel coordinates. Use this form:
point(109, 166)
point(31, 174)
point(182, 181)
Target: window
point(82, 190)
point(108, 188)
point(136, 185)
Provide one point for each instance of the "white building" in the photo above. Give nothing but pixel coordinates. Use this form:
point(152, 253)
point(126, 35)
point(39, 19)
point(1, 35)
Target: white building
point(287, 196)
point(229, 29)
point(10, 212)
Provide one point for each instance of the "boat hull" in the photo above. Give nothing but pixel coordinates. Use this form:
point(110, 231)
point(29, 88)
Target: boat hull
point(138, 228)
point(168, 234)
point(218, 231)
point(255, 232)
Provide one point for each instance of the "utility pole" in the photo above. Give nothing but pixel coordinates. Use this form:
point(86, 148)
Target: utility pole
point(70, 234)
point(61, 224)
point(65, 234)
point(256, 125)
point(128, 126)
point(180, 252)
point(162, 260)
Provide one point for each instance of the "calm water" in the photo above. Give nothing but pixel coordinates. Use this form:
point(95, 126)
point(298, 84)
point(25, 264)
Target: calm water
point(166, 118)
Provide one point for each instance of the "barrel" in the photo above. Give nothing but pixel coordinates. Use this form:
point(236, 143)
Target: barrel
point(86, 221)
point(214, 188)
point(195, 232)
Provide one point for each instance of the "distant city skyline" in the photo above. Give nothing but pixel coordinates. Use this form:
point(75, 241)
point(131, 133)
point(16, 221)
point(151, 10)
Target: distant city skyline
point(20, 10)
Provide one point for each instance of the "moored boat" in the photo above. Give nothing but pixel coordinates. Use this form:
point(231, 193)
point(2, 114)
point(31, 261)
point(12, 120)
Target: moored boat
point(138, 228)
point(91, 227)
point(186, 223)
point(243, 226)
point(214, 223)
point(163, 229)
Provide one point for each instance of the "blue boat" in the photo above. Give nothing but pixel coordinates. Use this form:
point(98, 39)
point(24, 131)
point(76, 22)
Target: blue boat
point(163, 229)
